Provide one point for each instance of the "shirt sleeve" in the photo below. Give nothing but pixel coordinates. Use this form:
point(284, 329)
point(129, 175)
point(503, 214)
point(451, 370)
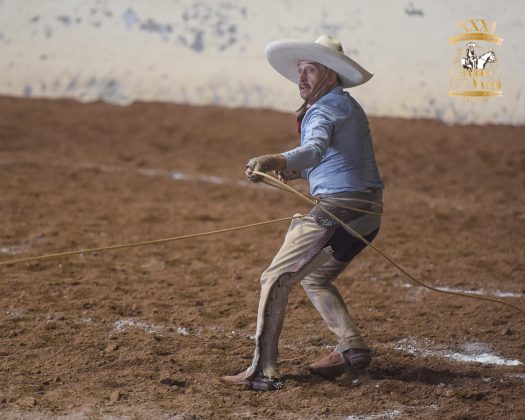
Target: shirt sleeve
point(315, 140)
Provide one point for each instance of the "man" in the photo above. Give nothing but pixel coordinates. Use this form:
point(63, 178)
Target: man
point(337, 158)
point(471, 61)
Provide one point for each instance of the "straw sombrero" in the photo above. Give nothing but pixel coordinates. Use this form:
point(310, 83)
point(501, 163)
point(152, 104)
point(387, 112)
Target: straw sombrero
point(285, 54)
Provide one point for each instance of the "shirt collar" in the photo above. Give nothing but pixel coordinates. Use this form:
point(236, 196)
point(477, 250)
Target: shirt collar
point(336, 90)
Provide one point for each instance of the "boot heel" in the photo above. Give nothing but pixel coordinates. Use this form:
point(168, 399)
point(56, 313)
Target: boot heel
point(264, 384)
point(358, 359)
point(360, 362)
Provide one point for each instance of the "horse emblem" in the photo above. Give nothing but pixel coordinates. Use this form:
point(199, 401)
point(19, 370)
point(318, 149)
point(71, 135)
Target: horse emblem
point(472, 61)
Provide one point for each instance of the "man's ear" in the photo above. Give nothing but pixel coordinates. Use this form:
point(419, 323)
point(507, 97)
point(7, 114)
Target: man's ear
point(334, 78)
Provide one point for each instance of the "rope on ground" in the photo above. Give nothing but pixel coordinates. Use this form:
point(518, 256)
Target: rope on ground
point(269, 180)
point(142, 243)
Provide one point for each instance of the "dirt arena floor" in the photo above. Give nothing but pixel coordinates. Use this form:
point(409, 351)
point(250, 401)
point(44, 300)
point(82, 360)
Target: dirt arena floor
point(147, 332)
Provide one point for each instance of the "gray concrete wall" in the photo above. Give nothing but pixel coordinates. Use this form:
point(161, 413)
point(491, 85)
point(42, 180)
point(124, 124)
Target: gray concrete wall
point(212, 52)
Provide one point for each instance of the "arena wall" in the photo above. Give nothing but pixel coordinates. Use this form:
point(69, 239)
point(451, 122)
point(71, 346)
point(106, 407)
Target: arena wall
point(212, 52)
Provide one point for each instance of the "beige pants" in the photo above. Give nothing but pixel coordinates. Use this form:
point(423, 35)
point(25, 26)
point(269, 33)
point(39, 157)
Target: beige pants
point(317, 280)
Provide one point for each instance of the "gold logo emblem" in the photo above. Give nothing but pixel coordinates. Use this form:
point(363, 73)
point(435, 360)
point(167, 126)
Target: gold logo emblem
point(475, 68)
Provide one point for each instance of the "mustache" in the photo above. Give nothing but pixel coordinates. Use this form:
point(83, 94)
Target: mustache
point(304, 85)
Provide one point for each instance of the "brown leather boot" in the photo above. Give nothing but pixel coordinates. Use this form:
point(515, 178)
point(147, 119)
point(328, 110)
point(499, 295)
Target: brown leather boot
point(335, 364)
point(239, 379)
point(257, 383)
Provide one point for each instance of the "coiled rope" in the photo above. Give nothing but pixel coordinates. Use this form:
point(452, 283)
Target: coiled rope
point(271, 181)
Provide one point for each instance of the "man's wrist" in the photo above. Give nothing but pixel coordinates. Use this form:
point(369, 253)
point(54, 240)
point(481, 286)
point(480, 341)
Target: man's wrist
point(280, 162)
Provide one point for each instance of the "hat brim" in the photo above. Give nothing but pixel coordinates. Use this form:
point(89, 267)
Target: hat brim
point(284, 56)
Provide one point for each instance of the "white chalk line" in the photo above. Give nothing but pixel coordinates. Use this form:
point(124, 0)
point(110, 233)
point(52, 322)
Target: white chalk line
point(473, 352)
point(123, 325)
point(470, 352)
point(12, 250)
point(387, 414)
point(147, 172)
point(495, 293)
point(173, 175)
point(393, 413)
point(15, 313)
point(478, 292)
point(17, 249)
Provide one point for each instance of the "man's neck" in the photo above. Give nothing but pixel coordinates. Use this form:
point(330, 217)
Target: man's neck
point(321, 93)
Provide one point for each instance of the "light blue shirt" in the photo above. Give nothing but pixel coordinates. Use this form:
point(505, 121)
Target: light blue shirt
point(336, 153)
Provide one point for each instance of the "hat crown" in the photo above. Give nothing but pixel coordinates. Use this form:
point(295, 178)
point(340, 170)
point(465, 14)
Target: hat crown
point(330, 42)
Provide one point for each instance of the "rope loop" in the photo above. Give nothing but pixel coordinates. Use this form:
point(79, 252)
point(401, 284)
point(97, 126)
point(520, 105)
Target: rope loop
point(271, 181)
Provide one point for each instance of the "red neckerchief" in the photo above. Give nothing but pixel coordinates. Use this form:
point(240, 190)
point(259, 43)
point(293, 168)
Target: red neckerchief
point(299, 121)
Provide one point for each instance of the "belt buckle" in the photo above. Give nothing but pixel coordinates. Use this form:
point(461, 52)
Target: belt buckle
point(370, 190)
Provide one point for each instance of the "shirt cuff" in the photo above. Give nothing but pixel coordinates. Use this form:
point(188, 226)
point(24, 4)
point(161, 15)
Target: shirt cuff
point(301, 157)
point(293, 159)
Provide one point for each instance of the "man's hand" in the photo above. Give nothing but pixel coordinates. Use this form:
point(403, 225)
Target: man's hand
point(285, 176)
point(265, 163)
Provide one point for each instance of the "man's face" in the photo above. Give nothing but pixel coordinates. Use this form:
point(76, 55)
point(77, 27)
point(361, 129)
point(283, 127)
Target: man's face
point(310, 74)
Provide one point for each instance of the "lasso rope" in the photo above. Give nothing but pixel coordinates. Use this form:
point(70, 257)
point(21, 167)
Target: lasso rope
point(142, 243)
point(269, 180)
point(284, 187)
point(276, 184)
point(176, 238)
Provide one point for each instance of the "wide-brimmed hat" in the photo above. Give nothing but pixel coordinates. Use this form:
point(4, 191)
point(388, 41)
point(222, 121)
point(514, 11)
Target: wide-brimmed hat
point(284, 55)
